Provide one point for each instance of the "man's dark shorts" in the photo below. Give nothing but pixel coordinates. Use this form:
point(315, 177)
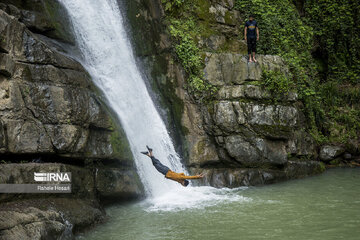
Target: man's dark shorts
point(251, 43)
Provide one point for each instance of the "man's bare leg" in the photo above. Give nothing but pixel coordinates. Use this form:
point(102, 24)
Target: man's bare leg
point(250, 60)
point(254, 57)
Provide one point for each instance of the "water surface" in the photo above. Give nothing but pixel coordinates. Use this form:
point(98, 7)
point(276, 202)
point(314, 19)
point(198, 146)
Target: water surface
point(321, 207)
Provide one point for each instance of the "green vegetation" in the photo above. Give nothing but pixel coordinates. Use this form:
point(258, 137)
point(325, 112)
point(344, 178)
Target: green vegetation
point(277, 83)
point(119, 143)
point(283, 33)
point(337, 31)
point(171, 4)
point(322, 50)
point(183, 30)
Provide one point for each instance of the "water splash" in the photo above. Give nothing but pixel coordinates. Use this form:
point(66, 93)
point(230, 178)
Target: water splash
point(194, 198)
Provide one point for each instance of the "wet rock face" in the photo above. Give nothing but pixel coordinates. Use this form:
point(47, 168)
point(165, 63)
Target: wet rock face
point(47, 105)
point(49, 112)
point(115, 184)
point(250, 129)
point(46, 17)
point(32, 223)
point(50, 218)
point(86, 183)
point(243, 132)
point(235, 177)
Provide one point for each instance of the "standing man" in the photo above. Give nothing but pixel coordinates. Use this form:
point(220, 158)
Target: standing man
point(251, 34)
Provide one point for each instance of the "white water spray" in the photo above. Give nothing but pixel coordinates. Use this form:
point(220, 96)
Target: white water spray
point(108, 57)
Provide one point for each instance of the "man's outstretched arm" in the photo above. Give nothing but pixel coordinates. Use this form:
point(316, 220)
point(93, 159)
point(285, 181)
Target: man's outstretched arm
point(245, 33)
point(193, 177)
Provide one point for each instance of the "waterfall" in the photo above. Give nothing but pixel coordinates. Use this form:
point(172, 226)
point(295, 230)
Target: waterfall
point(107, 55)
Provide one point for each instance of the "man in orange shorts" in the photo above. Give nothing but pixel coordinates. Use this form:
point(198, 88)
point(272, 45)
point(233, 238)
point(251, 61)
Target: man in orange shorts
point(178, 177)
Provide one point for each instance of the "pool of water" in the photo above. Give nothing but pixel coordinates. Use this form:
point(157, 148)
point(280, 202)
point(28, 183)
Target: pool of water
point(320, 207)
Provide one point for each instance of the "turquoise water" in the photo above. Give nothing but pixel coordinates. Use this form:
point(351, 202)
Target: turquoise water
point(320, 207)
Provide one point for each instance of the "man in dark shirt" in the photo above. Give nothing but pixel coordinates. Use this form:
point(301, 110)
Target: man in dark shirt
point(251, 34)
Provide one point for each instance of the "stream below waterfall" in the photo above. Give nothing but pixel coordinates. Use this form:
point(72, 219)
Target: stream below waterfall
point(321, 207)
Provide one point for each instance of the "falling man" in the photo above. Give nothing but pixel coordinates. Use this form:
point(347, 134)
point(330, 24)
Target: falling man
point(178, 177)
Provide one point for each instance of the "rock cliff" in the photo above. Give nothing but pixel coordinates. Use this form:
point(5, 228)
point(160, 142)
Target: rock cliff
point(243, 136)
point(53, 120)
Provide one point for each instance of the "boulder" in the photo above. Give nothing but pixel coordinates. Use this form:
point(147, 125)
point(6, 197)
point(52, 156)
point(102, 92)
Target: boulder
point(242, 150)
point(347, 156)
point(255, 152)
point(50, 218)
point(115, 184)
point(32, 223)
point(225, 117)
point(329, 152)
point(203, 152)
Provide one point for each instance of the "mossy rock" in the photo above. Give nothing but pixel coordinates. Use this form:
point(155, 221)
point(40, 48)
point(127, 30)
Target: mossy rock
point(119, 142)
point(274, 132)
point(59, 19)
point(203, 10)
point(47, 17)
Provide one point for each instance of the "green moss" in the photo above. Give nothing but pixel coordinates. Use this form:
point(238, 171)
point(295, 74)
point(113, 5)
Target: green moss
point(185, 32)
point(276, 83)
point(229, 18)
point(57, 16)
point(335, 161)
point(233, 45)
point(205, 30)
point(119, 142)
point(143, 39)
point(322, 167)
point(202, 10)
point(277, 131)
point(200, 147)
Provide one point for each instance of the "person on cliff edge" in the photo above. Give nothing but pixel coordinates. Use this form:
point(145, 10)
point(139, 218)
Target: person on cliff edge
point(178, 177)
point(251, 34)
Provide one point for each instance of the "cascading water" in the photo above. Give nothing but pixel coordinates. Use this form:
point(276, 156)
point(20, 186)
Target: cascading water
point(108, 57)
